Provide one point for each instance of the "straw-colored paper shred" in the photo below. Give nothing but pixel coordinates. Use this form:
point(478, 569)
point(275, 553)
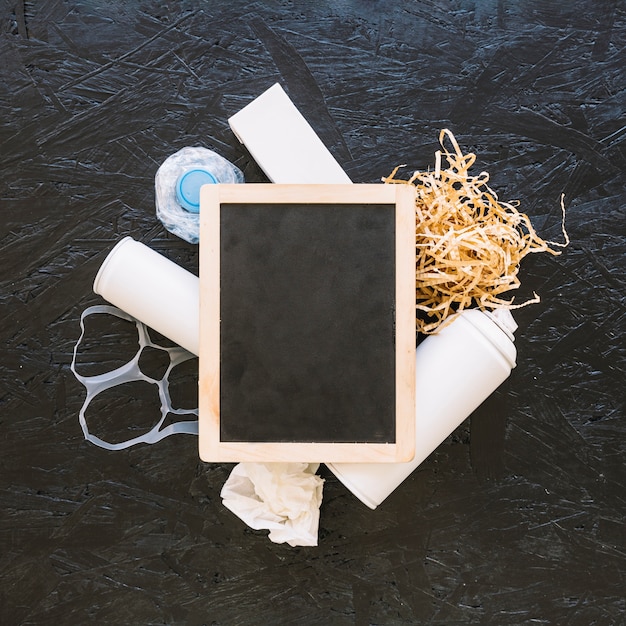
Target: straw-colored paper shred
point(469, 245)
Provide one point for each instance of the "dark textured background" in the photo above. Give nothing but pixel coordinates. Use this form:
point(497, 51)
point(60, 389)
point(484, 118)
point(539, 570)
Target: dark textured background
point(518, 517)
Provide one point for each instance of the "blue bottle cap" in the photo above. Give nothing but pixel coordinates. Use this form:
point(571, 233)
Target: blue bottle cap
point(188, 188)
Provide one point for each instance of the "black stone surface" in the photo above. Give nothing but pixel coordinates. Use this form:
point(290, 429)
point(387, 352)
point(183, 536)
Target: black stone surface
point(518, 517)
point(307, 309)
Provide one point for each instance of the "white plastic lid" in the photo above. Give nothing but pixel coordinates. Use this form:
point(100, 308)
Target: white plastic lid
point(497, 328)
point(504, 319)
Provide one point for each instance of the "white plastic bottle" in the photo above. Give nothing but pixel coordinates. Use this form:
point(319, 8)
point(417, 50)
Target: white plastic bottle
point(456, 370)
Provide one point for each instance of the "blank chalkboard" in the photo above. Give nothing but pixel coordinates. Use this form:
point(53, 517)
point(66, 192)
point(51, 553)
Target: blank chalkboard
point(307, 327)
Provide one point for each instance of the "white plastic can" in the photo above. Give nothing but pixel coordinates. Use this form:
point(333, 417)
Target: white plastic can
point(456, 370)
point(152, 289)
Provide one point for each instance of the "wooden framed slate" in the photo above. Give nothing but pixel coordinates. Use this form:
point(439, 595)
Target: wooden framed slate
point(307, 323)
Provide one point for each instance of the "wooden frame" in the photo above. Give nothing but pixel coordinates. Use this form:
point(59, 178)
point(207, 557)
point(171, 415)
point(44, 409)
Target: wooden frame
point(211, 446)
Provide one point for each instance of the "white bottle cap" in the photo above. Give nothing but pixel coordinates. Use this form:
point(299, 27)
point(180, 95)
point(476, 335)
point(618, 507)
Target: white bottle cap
point(504, 319)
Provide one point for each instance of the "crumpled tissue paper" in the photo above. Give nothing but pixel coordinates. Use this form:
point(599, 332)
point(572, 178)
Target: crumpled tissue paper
point(284, 498)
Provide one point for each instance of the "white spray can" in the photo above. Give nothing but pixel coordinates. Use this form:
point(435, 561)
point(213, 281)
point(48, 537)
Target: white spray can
point(456, 370)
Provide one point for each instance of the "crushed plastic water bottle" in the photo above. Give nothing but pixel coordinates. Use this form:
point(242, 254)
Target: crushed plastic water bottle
point(177, 186)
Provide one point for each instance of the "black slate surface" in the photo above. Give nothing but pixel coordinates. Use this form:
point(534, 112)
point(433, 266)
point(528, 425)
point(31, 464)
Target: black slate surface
point(307, 309)
point(518, 518)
